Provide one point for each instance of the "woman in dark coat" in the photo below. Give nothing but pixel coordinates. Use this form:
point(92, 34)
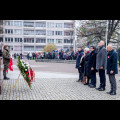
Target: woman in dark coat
point(84, 64)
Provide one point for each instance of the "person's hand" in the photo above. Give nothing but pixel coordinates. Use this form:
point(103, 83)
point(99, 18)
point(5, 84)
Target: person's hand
point(101, 67)
point(92, 68)
point(111, 72)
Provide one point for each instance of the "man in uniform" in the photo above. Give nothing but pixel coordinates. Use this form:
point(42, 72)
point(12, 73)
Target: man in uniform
point(6, 60)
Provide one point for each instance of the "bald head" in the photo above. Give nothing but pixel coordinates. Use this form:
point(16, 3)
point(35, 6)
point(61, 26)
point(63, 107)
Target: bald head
point(109, 48)
point(101, 43)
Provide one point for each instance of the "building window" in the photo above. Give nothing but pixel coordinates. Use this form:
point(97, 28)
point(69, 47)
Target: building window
point(58, 32)
point(28, 32)
point(68, 33)
point(58, 25)
point(50, 25)
point(11, 39)
point(18, 23)
point(39, 48)
point(50, 40)
point(68, 41)
point(17, 32)
point(40, 40)
point(9, 23)
point(28, 24)
point(17, 48)
point(18, 39)
point(9, 31)
point(28, 40)
point(29, 48)
point(1, 39)
point(10, 48)
point(40, 32)
point(40, 24)
point(59, 41)
point(66, 25)
point(8, 39)
point(50, 33)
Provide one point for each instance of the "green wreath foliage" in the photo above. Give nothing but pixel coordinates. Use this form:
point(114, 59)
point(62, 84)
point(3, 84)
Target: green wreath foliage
point(23, 69)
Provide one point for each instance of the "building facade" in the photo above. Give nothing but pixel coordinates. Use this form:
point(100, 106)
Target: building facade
point(23, 36)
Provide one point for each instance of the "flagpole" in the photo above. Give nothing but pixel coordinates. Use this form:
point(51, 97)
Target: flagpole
point(106, 33)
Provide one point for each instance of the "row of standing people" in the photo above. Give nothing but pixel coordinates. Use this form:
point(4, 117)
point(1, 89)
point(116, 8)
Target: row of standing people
point(54, 55)
point(94, 60)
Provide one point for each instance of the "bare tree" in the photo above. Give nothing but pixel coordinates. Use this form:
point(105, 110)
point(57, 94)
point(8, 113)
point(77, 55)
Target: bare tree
point(95, 30)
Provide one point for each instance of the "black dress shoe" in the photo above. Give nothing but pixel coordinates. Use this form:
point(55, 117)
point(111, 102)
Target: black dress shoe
point(109, 92)
point(86, 84)
point(78, 81)
point(92, 86)
point(89, 84)
point(98, 88)
point(102, 89)
point(113, 93)
point(6, 78)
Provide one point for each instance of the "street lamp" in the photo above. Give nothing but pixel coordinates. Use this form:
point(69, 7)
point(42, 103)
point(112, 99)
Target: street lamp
point(106, 33)
point(71, 39)
point(21, 48)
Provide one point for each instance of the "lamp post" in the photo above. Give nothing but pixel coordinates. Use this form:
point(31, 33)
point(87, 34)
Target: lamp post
point(75, 36)
point(106, 33)
point(21, 48)
point(71, 39)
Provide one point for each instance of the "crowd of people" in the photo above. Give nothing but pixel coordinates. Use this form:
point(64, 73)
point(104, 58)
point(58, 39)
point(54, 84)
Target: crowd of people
point(93, 60)
point(61, 54)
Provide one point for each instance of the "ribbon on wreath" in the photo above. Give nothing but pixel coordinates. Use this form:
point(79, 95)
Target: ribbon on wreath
point(31, 75)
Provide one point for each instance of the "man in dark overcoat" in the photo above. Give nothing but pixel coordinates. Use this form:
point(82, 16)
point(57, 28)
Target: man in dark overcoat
point(112, 68)
point(80, 54)
point(92, 66)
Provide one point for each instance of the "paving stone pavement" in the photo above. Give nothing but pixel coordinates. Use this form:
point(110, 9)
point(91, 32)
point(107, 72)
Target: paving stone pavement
point(50, 85)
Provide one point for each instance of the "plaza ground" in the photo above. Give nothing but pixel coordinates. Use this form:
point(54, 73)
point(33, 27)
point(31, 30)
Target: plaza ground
point(53, 81)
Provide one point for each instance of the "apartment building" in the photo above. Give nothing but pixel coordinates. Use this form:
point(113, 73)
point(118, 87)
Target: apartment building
point(33, 35)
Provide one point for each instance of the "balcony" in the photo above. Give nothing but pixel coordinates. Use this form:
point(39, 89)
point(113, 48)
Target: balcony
point(38, 44)
point(40, 28)
point(68, 21)
point(40, 35)
point(28, 44)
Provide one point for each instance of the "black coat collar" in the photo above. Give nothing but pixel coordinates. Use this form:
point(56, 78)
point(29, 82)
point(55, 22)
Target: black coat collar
point(93, 52)
point(109, 53)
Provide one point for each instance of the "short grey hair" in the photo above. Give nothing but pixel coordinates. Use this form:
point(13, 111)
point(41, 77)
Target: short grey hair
point(87, 49)
point(110, 45)
point(102, 42)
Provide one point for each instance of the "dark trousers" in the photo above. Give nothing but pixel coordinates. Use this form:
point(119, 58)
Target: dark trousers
point(119, 61)
point(93, 78)
point(102, 78)
point(112, 82)
point(5, 69)
point(80, 74)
